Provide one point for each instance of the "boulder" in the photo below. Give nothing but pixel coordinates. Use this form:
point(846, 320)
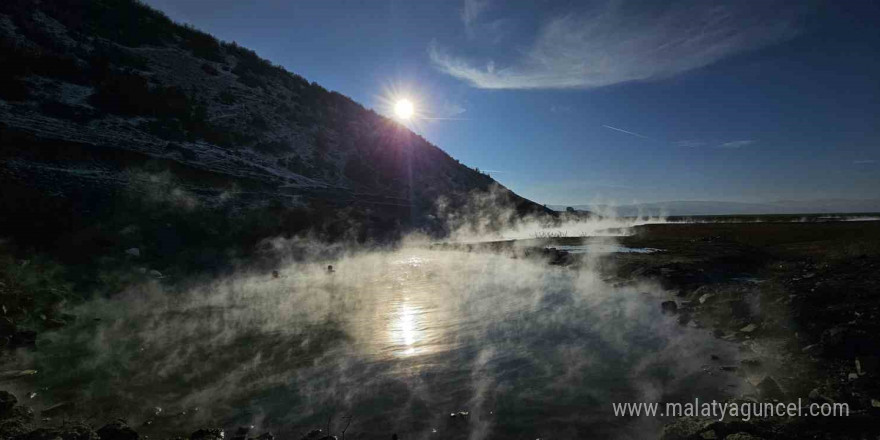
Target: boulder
point(117, 430)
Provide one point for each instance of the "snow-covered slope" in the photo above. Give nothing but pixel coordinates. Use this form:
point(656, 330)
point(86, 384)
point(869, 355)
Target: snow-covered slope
point(96, 90)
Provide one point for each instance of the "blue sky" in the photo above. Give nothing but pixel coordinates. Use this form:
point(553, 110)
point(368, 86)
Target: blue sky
point(574, 102)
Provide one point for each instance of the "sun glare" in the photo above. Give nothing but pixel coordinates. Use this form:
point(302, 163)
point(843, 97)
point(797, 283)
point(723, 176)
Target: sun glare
point(403, 109)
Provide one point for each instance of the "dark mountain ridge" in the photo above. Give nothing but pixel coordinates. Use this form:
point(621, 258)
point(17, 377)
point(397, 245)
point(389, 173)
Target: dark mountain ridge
point(108, 108)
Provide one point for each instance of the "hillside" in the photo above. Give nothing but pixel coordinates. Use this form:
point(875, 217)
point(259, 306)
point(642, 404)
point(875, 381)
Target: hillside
point(107, 106)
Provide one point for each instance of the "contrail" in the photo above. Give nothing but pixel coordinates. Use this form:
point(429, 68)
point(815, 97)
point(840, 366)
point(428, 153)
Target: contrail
point(627, 132)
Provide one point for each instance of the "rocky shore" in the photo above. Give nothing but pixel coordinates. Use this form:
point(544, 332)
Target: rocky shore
point(800, 299)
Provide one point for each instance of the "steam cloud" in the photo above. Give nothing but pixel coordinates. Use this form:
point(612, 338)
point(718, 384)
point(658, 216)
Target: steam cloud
point(399, 339)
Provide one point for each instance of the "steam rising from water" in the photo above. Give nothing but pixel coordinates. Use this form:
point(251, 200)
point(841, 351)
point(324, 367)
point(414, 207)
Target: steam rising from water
point(397, 339)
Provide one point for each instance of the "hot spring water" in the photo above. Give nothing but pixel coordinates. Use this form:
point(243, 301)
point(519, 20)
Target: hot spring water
point(398, 340)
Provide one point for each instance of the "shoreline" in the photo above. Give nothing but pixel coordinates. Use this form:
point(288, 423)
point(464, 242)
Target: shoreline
point(754, 285)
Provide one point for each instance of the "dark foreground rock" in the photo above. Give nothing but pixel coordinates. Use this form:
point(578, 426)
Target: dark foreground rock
point(799, 299)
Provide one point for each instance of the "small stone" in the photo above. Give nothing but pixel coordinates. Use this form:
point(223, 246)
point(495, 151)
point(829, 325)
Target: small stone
point(852, 376)
point(156, 274)
point(875, 403)
point(749, 328)
point(810, 348)
point(708, 435)
point(814, 394)
point(134, 252)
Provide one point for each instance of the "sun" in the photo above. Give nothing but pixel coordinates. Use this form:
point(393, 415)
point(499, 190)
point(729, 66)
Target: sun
point(403, 108)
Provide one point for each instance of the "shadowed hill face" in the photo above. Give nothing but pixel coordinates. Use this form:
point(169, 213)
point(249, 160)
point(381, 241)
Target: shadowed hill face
point(111, 86)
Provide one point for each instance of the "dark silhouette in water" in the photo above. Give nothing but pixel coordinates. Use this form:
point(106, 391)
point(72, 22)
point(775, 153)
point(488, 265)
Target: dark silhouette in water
point(330, 269)
point(274, 274)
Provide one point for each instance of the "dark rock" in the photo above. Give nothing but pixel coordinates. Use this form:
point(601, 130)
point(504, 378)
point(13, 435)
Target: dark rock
point(7, 327)
point(7, 402)
point(24, 338)
point(75, 432)
point(684, 318)
point(685, 428)
point(739, 309)
point(769, 389)
point(207, 434)
point(117, 430)
point(266, 436)
point(751, 363)
point(56, 409)
point(12, 428)
point(669, 307)
point(53, 323)
point(848, 342)
point(23, 413)
point(315, 433)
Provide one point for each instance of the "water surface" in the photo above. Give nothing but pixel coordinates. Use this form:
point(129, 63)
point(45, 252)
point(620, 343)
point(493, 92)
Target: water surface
point(397, 340)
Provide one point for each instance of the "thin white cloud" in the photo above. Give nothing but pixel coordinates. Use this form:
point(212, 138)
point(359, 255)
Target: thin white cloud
point(864, 162)
point(626, 131)
point(737, 144)
point(617, 43)
point(690, 143)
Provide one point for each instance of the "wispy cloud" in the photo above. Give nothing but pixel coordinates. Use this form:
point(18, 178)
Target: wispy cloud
point(864, 162)
point(689, 143)
point(471, 12)
point(626, 131)
point(737, 144)
point(618, 42)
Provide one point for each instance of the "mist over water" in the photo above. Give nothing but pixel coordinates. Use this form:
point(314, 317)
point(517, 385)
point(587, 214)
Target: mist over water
point(397, 339)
